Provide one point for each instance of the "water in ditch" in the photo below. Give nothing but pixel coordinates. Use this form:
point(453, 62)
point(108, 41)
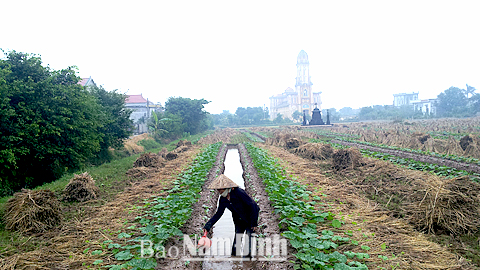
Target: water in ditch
point(224, 228)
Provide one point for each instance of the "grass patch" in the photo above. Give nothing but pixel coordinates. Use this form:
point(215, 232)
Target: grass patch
point(109, 177)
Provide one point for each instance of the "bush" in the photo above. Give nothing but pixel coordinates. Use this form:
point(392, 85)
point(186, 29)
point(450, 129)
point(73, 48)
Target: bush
point(149, 144)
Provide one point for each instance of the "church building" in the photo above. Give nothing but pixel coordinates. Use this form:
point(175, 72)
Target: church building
point(302, 99)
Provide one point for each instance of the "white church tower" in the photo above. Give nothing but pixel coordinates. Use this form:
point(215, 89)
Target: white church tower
point(303, 86)
point(302, 99)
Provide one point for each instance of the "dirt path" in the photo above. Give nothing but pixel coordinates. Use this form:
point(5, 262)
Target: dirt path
point(418, 157)
point(268, 222)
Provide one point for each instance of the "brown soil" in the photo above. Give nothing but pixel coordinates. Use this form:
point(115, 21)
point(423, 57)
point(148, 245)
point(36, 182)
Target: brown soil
point(268, 220)
point(369, 223)
point(418, 157)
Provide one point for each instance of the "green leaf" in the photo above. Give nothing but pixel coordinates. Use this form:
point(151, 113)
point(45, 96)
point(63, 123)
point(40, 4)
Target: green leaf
point(124, 235)
point(114, 245)
point(96, 252)
point(123, 255)
point(296, 244)
point(338, 257)
point(365, 248)
point(336, 223)
point(341, 266)
point(97, 262)
point(289, 235)
point(315, 243)
point(298, 220)
point(143, 263)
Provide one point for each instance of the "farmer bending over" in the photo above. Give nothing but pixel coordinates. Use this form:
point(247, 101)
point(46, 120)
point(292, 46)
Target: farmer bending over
point(244, 209)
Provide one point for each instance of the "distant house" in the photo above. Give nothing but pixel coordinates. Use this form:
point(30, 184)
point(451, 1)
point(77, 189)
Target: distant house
point(87, 82)
point(404, 99)
point(426, 106)
point(141, 111)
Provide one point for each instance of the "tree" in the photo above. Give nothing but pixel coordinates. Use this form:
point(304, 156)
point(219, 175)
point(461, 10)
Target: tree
point(296, 115)
point(470, 90)
point(334, 115)
point(474, 104)
point(191, 111)
point(164, 125)
point(49, 124)
point(452, 102)
point(116, 123)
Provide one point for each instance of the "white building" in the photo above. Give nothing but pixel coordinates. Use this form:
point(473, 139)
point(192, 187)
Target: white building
point(404, 99)
point(141, 111)
point(426, 106)
point(302, 99)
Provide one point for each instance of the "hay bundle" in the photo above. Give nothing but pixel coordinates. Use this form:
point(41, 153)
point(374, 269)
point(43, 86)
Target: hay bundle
point(171, 156)
point(149, 160)
point(469, 140)
point(292, 143)
point(182, 149)
point(427, 201)
point(473, 151)
point(32, 211)
point(80, 188)
point(346, 159)
point(280, 139)
point(452, 205)
point(183, 143)
point(421, 137)
point(453, 147)
point(315, 151)
point(163, 152)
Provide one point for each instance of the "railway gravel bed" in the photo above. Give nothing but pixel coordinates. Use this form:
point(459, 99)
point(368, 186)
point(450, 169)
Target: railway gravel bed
point(418, 157)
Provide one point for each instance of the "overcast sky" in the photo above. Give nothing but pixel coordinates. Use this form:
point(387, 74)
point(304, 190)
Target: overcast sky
point(239, 53)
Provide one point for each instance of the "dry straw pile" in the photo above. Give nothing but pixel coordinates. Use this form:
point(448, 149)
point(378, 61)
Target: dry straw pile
point(452, 205)
point(131, 145)
point(220, 135)
point(349, 158)
point(81, 188)
point(315, 151)
point(149, 160)
point(32, 211)
point(428, 202)
point(146, 165)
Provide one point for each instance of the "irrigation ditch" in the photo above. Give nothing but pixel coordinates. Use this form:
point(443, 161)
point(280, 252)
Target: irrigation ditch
point(205, 207)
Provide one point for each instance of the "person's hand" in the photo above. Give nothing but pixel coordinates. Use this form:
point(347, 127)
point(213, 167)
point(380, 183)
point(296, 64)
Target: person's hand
point(254, 229)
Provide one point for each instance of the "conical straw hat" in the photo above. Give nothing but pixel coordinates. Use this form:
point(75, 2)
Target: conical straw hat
point(222, 182)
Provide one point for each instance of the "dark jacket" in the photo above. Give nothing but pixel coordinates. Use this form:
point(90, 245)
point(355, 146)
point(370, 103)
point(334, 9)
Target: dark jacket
point(244, 209)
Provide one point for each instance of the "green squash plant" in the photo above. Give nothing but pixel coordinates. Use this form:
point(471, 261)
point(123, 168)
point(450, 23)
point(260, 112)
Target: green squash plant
point(299, 218)
point(164, 216)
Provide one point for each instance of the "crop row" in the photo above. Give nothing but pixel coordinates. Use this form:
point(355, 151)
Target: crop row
point(412, 164)
point(445, 156)
point(164, 216)
point(298, 219)
point(344, 137)
point(252, 137)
